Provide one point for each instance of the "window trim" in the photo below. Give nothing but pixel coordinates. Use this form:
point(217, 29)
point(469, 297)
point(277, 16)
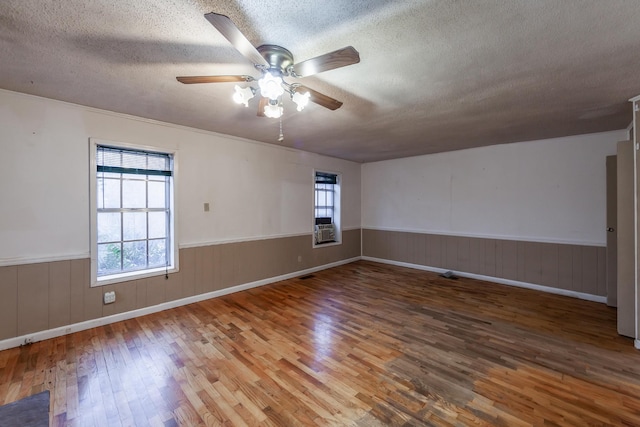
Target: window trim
point(93, 214)
point(337, 209)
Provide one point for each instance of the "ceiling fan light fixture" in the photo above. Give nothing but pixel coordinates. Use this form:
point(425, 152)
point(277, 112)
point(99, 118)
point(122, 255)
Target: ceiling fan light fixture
point(243, 95)
point(301, 99)
point(273, 110)
point(274, 62)
point(270, 86)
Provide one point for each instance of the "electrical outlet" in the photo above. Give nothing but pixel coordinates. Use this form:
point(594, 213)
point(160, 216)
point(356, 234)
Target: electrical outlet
point(206, 207)
point(299, 258)
point(110, 297)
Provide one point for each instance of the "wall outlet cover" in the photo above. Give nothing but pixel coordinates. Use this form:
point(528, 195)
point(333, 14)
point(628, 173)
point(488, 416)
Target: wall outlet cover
point(109, 297)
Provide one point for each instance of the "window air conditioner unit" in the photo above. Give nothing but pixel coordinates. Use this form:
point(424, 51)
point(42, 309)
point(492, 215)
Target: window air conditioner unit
point(325, 233)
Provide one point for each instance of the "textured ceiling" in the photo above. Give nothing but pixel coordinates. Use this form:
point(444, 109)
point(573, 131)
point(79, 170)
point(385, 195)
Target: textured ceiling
point(434, 75)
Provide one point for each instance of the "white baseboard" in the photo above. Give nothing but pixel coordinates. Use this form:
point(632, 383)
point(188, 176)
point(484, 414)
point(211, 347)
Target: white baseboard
point(101, 321)
point(574, 294)
point(636, 344)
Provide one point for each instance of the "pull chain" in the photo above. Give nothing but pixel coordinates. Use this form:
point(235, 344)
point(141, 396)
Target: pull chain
point(281, 136)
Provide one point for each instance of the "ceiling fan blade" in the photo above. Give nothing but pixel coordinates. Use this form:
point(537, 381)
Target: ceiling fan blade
point(329, 61)
point(319, 98)
point(261, 104)
point(214, 79)
point(229, 30)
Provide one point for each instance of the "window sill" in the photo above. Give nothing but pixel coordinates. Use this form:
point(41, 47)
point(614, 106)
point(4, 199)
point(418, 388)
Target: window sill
point(326, 244)
point(132, 275)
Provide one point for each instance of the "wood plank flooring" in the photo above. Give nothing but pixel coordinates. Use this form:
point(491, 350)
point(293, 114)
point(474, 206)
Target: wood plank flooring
point(363, 344)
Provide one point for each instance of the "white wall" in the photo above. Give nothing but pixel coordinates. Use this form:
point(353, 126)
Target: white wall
point(550, 190)
point(255, 190)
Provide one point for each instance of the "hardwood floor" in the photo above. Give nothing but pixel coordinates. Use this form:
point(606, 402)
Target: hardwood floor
point(363, 344)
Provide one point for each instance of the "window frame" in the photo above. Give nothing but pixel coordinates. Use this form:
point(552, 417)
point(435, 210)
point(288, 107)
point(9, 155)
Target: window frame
point(337, 206)
point(172, 225)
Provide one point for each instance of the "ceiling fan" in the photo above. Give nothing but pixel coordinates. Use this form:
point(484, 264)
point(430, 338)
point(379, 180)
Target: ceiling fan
point(275, 63)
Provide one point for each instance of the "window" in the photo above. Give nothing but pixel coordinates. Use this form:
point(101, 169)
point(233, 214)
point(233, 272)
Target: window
point(325, 196)
point(133, 225)
point(326, 207)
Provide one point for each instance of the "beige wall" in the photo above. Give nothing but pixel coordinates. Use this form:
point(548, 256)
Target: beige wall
point(577, 268)
point(41, 296)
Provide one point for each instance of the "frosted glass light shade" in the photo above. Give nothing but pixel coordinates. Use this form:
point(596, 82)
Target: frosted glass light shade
point(273, 111)
point(243, 95)
point(301, 99)
point(271, 87)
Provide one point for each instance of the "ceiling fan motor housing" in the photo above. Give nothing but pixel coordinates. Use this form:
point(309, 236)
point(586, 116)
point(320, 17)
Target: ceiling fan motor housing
point(279, 59)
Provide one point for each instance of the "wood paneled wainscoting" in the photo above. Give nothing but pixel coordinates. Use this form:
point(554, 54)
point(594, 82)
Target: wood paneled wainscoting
point(362, 344)
point(57, 295)
point(577, 270)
